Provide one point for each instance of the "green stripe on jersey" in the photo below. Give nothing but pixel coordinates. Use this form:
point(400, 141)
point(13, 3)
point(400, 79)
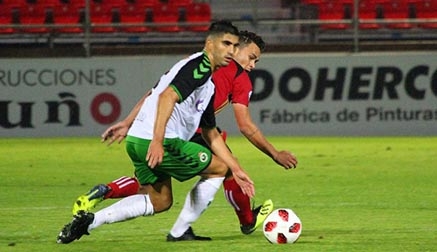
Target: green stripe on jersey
point(177, 92)
point(203, 68)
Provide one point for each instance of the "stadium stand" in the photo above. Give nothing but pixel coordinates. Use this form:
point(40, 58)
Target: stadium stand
point(6, 18)
point(200, 15)
point(334, 11)
point(134, 18)
point(282, 23)
point(426, 9)
point(68, 18)
point(34, 16)
point(179, 3)
point(113, 3)
point(102, 15)
point(399, 11)
point(13, 3)
point(144, 3)
point(368, 11)
point(166, 18)
point(48, 3)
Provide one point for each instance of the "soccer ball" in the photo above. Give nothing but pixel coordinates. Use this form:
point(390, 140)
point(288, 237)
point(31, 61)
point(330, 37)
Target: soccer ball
point(282, 226)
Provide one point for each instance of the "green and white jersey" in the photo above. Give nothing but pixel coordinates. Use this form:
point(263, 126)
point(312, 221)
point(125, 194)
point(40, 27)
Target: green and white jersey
point(191, 79)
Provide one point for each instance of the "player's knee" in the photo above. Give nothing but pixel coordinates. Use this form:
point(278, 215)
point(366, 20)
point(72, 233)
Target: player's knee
point(217, 168)
point(162, 207)
point(162, 203)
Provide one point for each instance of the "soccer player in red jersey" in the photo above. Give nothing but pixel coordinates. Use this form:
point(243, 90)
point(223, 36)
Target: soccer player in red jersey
point(232, 86)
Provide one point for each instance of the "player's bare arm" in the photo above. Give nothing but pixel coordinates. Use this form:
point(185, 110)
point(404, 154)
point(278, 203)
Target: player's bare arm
point(166, 102)
point(218, 146)
point(249, 129)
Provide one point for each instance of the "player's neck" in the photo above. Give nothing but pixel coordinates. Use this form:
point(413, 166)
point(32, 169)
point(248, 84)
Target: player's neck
point(210, 56)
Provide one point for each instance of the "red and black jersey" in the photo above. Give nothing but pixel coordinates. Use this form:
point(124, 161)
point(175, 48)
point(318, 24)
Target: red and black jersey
point(232, 84)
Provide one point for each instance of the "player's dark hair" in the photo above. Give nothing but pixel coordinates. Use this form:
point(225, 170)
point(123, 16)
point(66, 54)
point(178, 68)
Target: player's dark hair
point(222, 27)
point(247, 37)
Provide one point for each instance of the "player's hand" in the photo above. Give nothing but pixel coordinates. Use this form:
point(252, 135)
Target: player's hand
point(245, 183)
point(116, 132)
point(286, 159)
point(155, 154)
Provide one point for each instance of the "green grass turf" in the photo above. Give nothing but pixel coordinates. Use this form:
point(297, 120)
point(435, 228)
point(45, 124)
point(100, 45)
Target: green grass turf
point(352, 194)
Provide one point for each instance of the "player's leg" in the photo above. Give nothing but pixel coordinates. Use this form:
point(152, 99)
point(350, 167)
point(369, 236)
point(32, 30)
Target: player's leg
point(197, 200)
point(158, 199)
point(127, 208)
point(238, 200)
point(201, 194)
point(159, 190)
point(119, 188)
point(249, 218)
point(122, 187)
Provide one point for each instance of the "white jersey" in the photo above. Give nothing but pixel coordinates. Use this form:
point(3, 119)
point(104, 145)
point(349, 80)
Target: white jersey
point(191, 79)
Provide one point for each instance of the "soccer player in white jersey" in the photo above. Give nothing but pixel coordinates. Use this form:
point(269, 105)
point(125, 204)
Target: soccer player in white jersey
point(159, 147)
point(232, 86)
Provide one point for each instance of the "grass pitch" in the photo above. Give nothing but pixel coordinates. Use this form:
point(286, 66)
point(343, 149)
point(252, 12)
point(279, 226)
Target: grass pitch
point(352, 194)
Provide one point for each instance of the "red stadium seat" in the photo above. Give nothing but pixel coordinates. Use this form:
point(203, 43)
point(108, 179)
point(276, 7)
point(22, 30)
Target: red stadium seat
point(368, 11)
point(427, 9)
point(397, 10)
point(6, 18)
point(77, 3)
point(144, 3)
point(198, 13)
point(13, 3)
point(33, 14)
point(377, 1)
point(332, 11)
point(132, 14)
point(68, 15)
point(114, 3)
point(49, 3)
point(101, 18)
point(166, 18)
point(179, 3)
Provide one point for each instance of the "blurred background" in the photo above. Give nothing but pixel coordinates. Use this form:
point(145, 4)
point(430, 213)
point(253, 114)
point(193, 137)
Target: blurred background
point(131, 27)
point(331, 67)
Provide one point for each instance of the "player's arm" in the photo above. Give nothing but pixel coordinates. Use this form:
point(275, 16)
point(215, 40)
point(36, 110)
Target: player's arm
point(166, 102)
point(118, 131)
point(251, 131)
point(215, 141)
point(218, 146)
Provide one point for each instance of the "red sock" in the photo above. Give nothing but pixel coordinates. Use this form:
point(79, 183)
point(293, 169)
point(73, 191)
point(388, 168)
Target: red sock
point(123, 187)
point(238, 200)
point(224, 135)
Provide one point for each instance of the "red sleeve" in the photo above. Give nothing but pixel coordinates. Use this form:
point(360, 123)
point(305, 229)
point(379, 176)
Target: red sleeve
point(241, 89)
point(223, 80)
